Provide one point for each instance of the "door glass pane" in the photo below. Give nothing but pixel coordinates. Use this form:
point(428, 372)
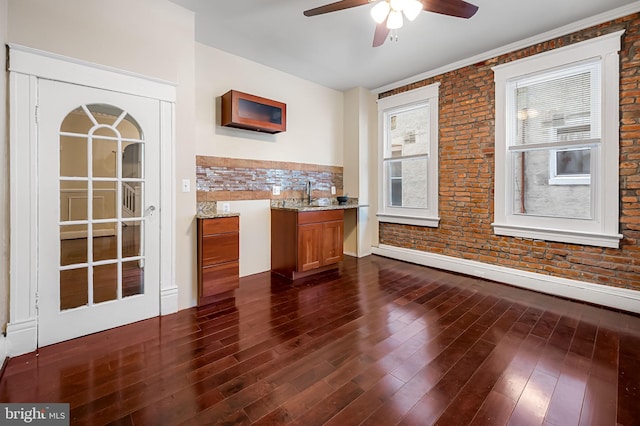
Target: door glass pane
point(101, 169)
point(132, 233)
point(104, 157)
point(105, 283)
point(74, 285)
point(132, 278)
point(129, 128)
point(104, 200)
point(73, 200)
point(73, 244)
point(132, 161)
point(77, 121)
point(105, 247)
point(131, 199)
point(73, 156)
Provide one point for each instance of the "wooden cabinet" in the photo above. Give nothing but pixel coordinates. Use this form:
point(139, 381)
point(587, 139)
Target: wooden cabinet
point(303, 243)
point(249, 112)
point(218, 257)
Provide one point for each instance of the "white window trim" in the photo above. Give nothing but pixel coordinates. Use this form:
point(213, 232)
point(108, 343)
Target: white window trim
point(602, 230)
point(402, 215)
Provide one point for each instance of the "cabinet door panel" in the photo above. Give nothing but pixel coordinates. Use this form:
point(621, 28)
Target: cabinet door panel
point(219, 248)
point(309, 247)
point(220, 225)
point(332, 242)
point(219, 279)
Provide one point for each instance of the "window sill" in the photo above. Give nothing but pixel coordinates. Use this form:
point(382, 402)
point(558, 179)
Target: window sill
point(431, 222)
point(558, 235)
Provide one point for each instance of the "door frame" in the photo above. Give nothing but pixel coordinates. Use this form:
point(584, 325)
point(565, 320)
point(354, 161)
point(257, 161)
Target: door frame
point(26, 66)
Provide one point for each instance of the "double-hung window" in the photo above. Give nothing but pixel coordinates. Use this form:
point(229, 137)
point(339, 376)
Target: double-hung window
point(557, 144)
point(408, 149)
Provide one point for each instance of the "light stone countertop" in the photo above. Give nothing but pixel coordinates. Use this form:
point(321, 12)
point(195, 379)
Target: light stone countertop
point(321, 204)
point(215, 215)
point(208, 210)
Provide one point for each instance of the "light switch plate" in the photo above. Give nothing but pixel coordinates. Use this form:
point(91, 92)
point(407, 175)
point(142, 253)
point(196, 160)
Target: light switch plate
point(333, 190)
point(186, 185)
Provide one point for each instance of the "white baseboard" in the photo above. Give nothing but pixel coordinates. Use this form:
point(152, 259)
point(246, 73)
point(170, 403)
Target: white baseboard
point(354, 254)
point(22, 337)
point(4, 349)
point(614, 297)
point(169, 301)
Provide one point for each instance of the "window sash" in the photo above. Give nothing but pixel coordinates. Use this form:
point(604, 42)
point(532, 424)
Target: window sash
point(540, 119)
point(407, 182)
point(404, 149)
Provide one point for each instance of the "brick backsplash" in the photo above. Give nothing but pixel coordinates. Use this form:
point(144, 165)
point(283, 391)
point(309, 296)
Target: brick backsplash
point(221, 179)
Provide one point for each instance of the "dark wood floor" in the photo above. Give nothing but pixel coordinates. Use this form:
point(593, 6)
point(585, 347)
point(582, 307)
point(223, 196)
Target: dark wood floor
point(381, 342)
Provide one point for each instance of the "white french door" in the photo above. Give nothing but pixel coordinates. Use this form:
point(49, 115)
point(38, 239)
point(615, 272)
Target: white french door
point(98, 210)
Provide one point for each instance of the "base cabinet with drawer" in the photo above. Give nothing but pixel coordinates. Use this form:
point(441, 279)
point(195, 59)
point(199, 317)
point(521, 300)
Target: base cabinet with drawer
point(218, 257)
point(303, 243)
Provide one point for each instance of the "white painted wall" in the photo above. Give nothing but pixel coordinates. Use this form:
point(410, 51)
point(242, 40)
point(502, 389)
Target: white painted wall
point(314, 113)
point(4, 180)
point(154, 38)
point(359, 110)
point(314, 133)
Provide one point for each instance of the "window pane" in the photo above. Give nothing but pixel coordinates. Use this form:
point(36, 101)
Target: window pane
point(407, 182)
point(558, 106)
point(534, 195)
point(573, 162)
point(408, 131)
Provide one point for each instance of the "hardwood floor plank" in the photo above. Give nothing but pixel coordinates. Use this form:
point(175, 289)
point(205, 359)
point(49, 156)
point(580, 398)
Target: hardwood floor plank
point(376, 342)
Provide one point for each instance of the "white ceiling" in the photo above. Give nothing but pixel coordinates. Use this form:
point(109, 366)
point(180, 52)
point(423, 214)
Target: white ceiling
point(334, 49)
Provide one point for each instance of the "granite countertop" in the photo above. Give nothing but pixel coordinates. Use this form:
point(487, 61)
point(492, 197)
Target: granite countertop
point(208, 210)
point(215, 215)
point(321, 204)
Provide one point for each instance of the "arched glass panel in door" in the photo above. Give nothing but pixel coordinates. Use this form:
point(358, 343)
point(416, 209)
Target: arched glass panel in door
point(101, 219)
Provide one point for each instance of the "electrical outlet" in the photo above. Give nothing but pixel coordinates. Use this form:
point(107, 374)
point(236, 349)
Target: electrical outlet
point(333, 190)
point(276, 190)
point(225, 208)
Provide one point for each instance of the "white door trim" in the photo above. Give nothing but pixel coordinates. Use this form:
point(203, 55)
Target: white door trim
point(26, 65)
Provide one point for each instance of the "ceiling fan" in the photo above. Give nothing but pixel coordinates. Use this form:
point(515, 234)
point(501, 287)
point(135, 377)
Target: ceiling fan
point(388, 13)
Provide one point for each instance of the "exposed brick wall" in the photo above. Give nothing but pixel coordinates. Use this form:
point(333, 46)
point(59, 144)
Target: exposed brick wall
point(224, 179)
point(467, 112)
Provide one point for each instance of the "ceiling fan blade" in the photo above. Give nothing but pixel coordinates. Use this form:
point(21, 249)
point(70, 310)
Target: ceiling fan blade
point(457, 8)
point(381, 34)
point(339, 5)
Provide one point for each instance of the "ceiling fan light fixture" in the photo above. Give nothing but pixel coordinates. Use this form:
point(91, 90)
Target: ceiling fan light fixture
point(397, 5)
point(380, 11)
point(394, 21)
point(412, 9)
